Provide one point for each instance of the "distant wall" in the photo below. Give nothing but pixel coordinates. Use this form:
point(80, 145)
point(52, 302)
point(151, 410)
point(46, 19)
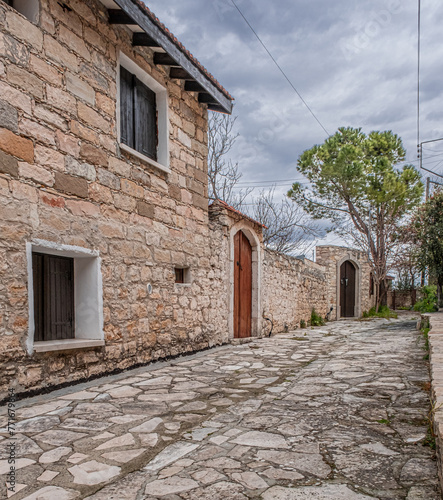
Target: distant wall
point(291, 288)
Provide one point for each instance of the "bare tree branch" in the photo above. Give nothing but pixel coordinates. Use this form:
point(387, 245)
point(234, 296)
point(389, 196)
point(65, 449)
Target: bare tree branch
point(289, 229)
point(224, 175)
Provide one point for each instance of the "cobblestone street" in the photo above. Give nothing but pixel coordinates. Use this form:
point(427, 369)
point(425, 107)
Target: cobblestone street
point(337, 412)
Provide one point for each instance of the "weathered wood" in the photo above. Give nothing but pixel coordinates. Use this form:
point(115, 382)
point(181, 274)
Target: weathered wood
point(143, 40)
point(179, 74)
point(347, 290)
point(164, 59)
point(206, 98)
point(242, 286)
point(145, 120)
point(126, 107)
point(218, 108)
point(117, 16)
point(182, 59)
point(193, 86)
point(54, 316)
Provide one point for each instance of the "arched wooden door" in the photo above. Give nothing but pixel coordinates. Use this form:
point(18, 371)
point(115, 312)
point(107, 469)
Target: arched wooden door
point(347, 290)
point(242, 286)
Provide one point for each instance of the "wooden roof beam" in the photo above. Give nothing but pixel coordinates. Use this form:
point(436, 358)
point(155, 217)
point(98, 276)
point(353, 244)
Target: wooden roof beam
point(143, 40)
point(118, 16)
point(206, 98)
point(193, 86)
point(163, 59)
point(179, 74)
point(135, 13)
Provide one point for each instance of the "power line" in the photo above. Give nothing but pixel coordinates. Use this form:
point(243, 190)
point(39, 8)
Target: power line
point(418, 69)
point(270, 181)
point(279, 67)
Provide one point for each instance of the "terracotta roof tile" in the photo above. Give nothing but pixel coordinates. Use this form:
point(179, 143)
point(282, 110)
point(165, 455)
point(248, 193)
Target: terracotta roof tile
point(180, 46)
point(235, 211)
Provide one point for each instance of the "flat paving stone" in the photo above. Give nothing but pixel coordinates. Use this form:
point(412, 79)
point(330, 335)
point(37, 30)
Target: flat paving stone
point(93, 472)
point(327, 492)
point(338, 415)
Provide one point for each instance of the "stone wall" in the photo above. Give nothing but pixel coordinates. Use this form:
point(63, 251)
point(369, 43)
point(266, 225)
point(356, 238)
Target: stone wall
point(291, 288)
point(435, 321)
point(402, 299)
point(64, 179)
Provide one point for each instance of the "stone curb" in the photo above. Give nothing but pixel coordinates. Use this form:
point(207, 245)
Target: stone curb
point(435, 321)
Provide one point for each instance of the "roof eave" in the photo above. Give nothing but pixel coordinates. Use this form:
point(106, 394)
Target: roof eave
point(210, 94)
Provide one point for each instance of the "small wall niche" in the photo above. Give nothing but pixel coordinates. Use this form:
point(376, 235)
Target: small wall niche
point(182, 275)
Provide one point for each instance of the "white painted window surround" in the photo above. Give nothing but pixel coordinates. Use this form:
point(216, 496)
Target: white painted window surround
point(88, 297)
point(162, 162)
point(29, 8)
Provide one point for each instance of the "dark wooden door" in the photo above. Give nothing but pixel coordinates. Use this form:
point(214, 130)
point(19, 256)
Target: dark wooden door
point(53, 297)
point(347, 289)
point(242, 286)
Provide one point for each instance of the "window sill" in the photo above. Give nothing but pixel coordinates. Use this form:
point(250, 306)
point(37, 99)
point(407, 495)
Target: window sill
point(180, 285)
point(62, 345)
point(144, 158)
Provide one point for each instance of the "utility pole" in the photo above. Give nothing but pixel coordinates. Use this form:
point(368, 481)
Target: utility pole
point(428, 186)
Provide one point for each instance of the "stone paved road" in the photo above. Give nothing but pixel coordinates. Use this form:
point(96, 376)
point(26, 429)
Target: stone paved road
point(329, 413)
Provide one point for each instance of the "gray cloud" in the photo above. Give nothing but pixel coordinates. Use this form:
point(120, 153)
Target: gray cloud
point(353, 62)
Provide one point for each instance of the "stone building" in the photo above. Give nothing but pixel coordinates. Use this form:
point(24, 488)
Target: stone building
point(109, 256)
point(285, 289)
point(350, 288)
point(105, 261)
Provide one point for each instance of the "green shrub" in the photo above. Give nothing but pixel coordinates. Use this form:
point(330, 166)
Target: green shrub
point(383, 312)
point(302, 323)
point(429, 301)
point(316, 319)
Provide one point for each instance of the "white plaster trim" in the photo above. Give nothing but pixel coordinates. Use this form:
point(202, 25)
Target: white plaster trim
point(161, 96)
point(256, 319)
point(62, 345)
point(28, 8)
point(357, 266)
point(88, 290)
point(143, 157)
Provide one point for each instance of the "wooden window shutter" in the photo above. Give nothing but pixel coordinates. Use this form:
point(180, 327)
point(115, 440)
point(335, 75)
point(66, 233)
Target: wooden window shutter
point(127, 107)
point(53, 297)
point(37, 275)
point(145, 123)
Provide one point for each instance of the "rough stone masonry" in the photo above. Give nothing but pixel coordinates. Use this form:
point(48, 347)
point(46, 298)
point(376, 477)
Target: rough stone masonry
point(69, 187)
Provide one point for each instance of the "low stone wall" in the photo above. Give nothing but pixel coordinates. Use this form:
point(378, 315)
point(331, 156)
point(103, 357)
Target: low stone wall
point(291, 287)
point(400, 299)
point(436, 371)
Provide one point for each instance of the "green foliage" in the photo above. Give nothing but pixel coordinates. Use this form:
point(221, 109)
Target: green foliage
point(426, 229)
point(316, 319)
point(302, 323)
point(355, 182)
point(383, 312)
point(351, 171)
point(429, 301)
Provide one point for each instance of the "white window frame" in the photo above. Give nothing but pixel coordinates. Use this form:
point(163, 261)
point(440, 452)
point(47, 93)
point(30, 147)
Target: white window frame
point(28, 8)
point(88, 297)
point(161, 97)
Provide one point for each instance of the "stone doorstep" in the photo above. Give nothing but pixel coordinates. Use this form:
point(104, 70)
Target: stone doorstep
point(246, 340)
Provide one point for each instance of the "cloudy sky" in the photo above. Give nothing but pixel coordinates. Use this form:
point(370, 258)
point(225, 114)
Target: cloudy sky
point(354, 63)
